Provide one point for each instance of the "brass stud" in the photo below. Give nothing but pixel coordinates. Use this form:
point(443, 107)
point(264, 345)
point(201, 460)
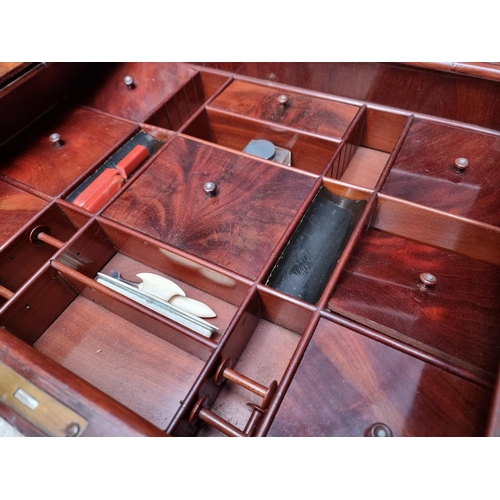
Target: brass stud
point(461, 164)
point(283, 100)
point(129, 82)
point(56, 140)
point(379, 430)
point(426, 281)
point(210, 189)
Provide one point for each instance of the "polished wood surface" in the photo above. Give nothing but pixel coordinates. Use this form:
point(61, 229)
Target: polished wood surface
point(424, 171)
point(456, 319)
point(237, 229)
point(144, 373)
point(37, 162)
point(346, 383)
point(153, 84)
point(17, 207)
point(401, 355)
point(319, 116)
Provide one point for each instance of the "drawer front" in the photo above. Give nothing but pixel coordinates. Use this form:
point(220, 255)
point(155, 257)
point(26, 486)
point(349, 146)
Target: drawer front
point(153, 83)
point(457, 319)
point(346, 383)
point(36, 161)
point(311, 114)
point(238, 228)
point(16, 208)
point(425, 173)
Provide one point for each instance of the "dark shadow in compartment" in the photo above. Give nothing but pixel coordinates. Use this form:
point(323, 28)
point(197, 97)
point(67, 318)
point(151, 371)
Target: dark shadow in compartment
point(174, 113)
point(259, 349)
point(97, 189)
point(112, 347)
point(308, 260)
point(309, 153)
point(27, 253)
point(368, 148)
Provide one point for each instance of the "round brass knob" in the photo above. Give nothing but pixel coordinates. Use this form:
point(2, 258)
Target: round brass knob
point(379, 430)
point(210, 189)
point(56, 140)
point(283, 100)
point(129, 82)
point(461, 164)
point(426, 281)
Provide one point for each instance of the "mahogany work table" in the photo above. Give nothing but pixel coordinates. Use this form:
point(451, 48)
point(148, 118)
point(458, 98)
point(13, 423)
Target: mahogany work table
point(342, 220)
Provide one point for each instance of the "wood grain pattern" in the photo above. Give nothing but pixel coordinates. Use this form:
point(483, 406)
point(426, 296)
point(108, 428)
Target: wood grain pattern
point(458, 319)
point(154, 83)
point(142, 372)
point(236, 229)
point(424, 171)
point(106, 416)
point(365, 167)
point(35, 161)
point(426, 91)
point(319, 116)
point(16, 208)
point(347, 382)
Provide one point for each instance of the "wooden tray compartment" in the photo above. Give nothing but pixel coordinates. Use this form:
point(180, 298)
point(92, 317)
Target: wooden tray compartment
point(369, 147)
point(17, 207)
point(106, 342)
point(155, 132)
point(153, 84)
point(260, 347)
point(283, 106)
point(309, 153)
point(184, 104)
point(106, 246)
point(347, 382)
point(238, 228)
point(25, 254)
point(456, 319)
point(310, 256)
point(89, 138)
point(424, 171)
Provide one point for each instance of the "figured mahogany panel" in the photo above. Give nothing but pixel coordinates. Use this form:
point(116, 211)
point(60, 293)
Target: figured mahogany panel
point(457, 319)
point(31, 158)
point(16, 208)
point(139, 370)
point(319, 116)
point(238, 228)
point(153, 84)
point(424, 171)
point(347, 382)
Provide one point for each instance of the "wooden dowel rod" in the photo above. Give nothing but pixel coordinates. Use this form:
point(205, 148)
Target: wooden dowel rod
point(46, 238)
point(5, 292)
point(220, 424)
point(245, 382)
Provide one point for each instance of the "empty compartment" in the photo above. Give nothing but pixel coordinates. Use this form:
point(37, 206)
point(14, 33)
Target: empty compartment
point(287, 107)
point(174, 113)
point(37, 243)
point(260, 349)
point(110, 347)
point(60, 147)
point(308, 153)
point(368, 148)
point(310, 256)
